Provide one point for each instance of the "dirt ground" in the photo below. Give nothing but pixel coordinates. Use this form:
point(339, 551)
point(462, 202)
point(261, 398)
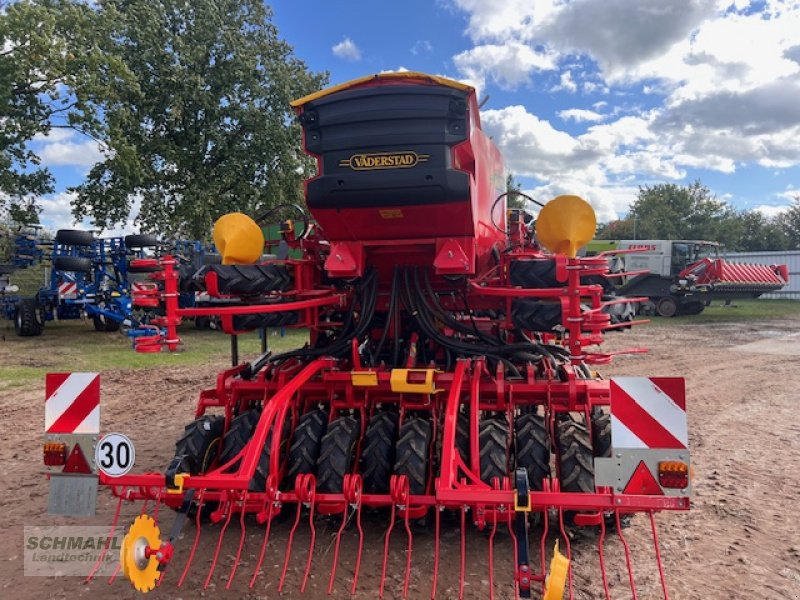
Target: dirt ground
point(740, 540)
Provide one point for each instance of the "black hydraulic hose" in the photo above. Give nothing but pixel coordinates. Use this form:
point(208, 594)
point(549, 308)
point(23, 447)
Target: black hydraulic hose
point(389, 316)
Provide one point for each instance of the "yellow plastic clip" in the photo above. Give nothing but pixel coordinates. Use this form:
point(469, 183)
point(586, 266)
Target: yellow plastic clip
point(178, 479)
point(518, 508)
point(398, 380)
point(364, 378)
point(556, 581)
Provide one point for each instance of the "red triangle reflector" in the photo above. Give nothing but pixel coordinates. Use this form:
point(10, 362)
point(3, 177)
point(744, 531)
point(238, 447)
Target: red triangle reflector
point(76, 462)
point(643, 483)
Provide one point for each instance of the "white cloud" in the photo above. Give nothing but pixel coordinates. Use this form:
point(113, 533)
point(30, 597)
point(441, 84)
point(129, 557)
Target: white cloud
point(421, 47)
point(509, 65)
point(771, 211)
point(565, 83)
point(57, 214)
point(501, 19)
point(347, 50)
point(62, 147)
point(580, 115)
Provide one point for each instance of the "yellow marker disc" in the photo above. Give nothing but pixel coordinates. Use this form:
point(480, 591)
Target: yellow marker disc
point(142, 572)
point(238, 239)
point(557, 580)
point(565, 224)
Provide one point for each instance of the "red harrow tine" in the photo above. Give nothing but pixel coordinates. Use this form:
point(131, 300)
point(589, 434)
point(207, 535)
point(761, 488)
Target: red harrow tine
point(241, 542)
point(437, 527)
point(563, 533)
point(628, 562)
point(658, 555)
point(352, 488)
point(270, 506)
point(491, 554)
point(229, 511)
point(196, 541)
point(304, 488)
point(399, 489)
point(102, 556)
point(601, 554)
point(462, 572)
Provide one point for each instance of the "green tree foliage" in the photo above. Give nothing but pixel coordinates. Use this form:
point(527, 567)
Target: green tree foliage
point(761, 233)
point(514, 200)
point(205, 126)
point(50, 64)
point(791, 224)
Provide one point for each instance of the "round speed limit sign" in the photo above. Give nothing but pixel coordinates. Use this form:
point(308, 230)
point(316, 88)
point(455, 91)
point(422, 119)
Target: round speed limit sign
point(114, 454)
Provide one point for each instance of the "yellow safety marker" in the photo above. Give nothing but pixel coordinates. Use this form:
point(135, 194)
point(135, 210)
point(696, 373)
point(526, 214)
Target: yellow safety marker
point(238, 238)
point(566, 224)
point(142, 571)
point(557, 580)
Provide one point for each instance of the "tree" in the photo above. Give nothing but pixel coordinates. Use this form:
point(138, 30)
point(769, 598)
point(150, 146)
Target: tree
point(760, 233)
point(790, 223)
point(514, 200)
point(205, 127)
point(50, 64)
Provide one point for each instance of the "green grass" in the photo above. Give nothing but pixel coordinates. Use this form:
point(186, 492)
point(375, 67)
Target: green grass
point(76, 346)
point(739, 310)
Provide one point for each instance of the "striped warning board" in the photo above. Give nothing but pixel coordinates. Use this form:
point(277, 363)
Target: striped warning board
point(648, 413)
point(72, 403)
point(68, 290)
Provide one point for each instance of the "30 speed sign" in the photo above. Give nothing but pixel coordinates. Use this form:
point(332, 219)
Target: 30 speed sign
point(114, 454)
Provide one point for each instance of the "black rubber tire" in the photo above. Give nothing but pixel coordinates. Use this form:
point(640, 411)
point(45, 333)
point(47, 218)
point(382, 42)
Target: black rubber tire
point(601, 433)
point(306, 441)
point(493, 449)
point(259, 481)
point(73, 264)
point(412, 453)
point(534, 273)
point(336, 454)
point(103, 324)
point(666, 307)
point(575, 455)
point(237, 436)
point(377, 455)
point(535, 315)
point(212, 259)
point(691, 308)
point(532, 447)
point(28, 320)
point(141, 240)
point(462, 436)
point(199, 443)
point(249, 279)
point(259, 321)
point(74, 237)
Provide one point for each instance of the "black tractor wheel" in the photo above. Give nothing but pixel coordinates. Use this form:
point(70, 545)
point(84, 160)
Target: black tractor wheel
point(73, 264)
point(306, 441)
point(691, 308)
point(28, 321)
point(102, 323)
point(141, 240)
point(74, 237)
point(575, 455)
point(462, 436)
point(601, 433)
point(493, 436)
point(533, 273)
point(249, 279)
point(532, 447)
point(237, 436)
point(197, 447)
point(377, 456)
point(666, 307)
point(412, 453)
point(336, 454)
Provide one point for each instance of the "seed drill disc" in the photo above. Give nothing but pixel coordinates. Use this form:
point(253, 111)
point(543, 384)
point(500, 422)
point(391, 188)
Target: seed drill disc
point(141, 571)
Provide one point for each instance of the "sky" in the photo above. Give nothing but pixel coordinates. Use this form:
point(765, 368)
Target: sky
point(590, 97)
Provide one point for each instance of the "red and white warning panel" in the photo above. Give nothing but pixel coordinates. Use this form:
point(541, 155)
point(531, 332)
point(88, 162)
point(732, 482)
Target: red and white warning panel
point(648, 412)
point(68, 290)
point(72, 403)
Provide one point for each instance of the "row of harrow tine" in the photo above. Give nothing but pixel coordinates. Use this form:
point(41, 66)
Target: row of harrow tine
point(233, 502)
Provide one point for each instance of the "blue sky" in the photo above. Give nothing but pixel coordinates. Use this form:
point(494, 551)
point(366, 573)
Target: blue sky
point(593, 97)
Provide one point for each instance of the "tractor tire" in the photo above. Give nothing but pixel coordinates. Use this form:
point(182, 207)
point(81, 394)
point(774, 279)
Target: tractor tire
point(199, 444)
point(262, 320)
point(535, 315)
point(462, 436)
point(249, 279)
point(141, 240)
point(306, 441)
point(259, 481)
point(74, 237)
point(601, 433)
point(28, 321)
point(575, 455)
point(666, 307)
point(412, 453)
point(103, 324)
point(336, 454)
point(532, 448)
point(493, 436)
point(533, 273)
point(74, 264)
point(377, 456)
point(237, 436)
point(691, 308)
